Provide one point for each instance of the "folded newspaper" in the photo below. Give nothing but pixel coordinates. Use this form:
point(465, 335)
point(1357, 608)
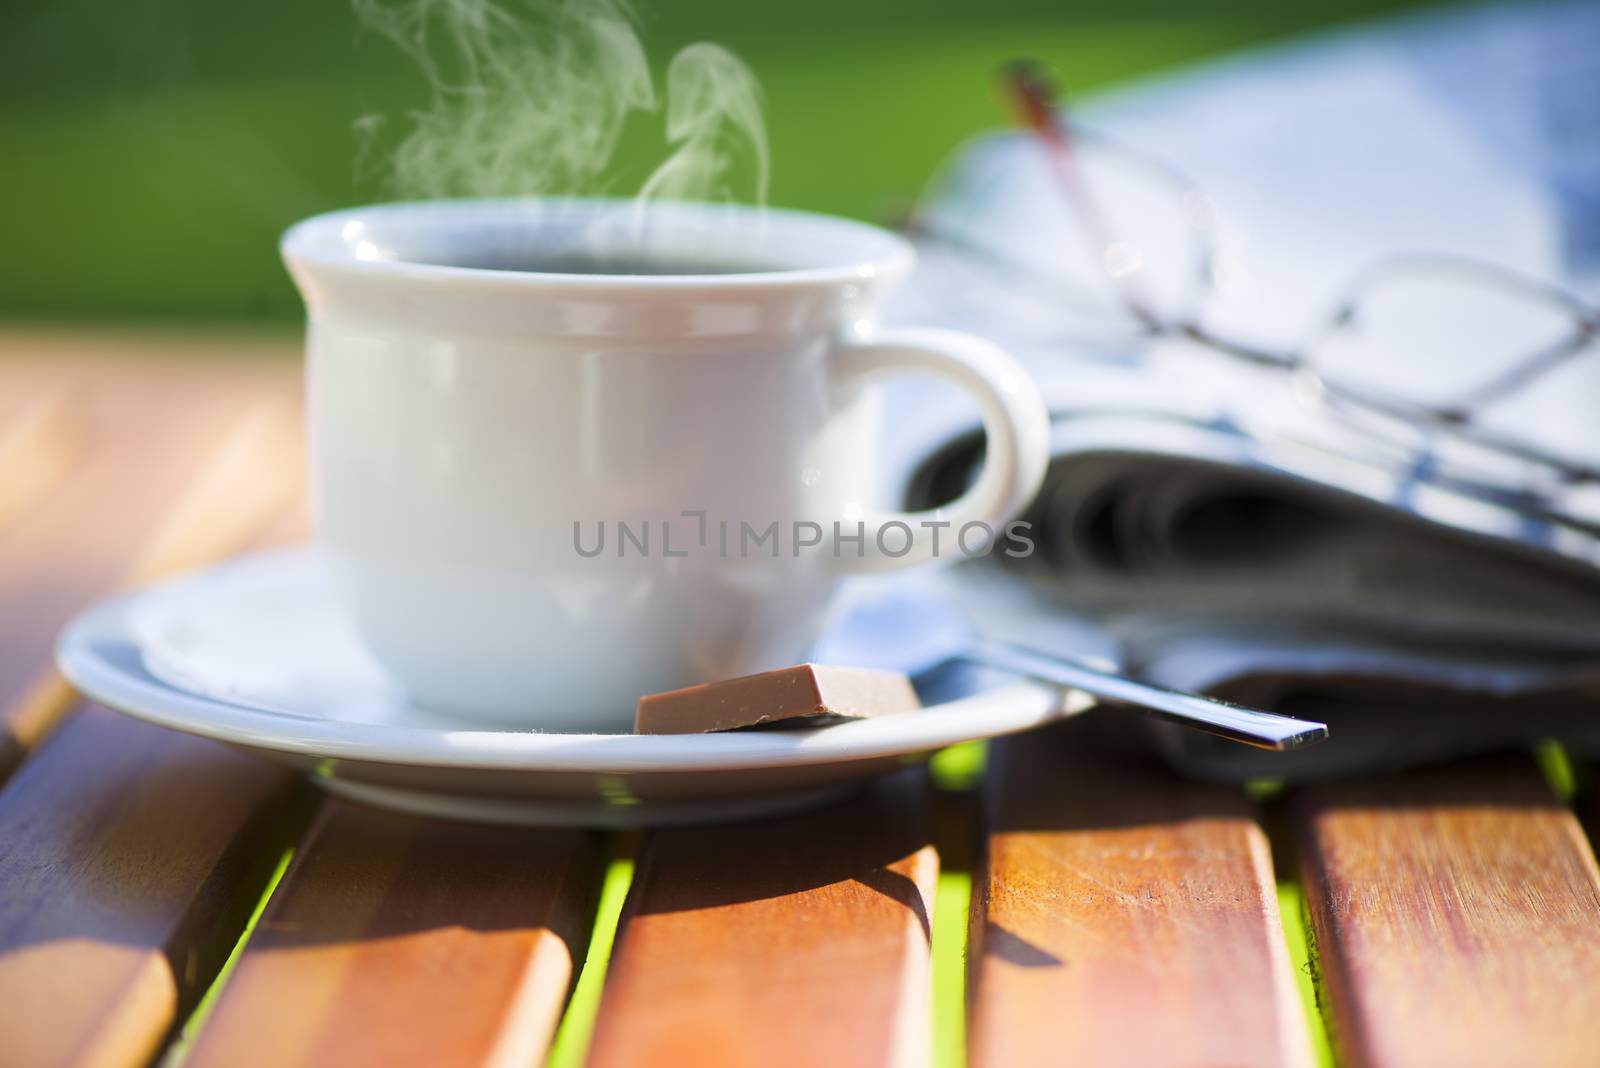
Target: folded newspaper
point(1215, 529)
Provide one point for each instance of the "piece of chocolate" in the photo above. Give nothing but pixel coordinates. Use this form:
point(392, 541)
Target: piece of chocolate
point(806, 695)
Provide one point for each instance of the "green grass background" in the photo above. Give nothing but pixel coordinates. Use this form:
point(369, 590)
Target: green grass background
point(151, 151)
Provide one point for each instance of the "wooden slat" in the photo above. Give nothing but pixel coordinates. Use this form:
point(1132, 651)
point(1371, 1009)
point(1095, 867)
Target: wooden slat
point(1457, 918)
point(122, 471)
point(129, 855)
point(1123, 915)
point(795, 941)
point(129, 858)
point(41, 435)
point(399, 941)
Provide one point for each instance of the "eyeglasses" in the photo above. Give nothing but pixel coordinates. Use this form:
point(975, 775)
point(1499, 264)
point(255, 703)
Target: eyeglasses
point(1415, 358)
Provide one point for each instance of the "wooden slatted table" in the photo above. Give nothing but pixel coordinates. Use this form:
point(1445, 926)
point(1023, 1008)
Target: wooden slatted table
point(163, 898)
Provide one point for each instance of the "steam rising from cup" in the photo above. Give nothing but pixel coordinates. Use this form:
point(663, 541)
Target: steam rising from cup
point(531, 98)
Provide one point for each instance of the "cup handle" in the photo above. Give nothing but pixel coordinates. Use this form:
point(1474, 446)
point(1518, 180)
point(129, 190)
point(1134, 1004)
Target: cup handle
point(1015, 423)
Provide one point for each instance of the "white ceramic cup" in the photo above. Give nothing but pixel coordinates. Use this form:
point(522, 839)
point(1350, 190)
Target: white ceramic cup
point(475, 431)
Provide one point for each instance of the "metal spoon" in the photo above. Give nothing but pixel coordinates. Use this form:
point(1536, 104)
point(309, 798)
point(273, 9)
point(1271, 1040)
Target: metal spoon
point(917, 633)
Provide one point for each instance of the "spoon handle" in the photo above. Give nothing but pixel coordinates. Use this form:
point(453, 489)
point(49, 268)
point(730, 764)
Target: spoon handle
point(1266, 730)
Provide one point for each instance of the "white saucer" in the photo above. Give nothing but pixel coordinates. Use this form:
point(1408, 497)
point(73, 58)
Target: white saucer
point(253, 653)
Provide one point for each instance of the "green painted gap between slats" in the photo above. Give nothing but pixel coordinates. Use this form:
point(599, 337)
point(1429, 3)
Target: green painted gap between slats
point(956, 772)
point(1303, 958)
point(960, 766)
point(953, 898)
point(1263, 790)
point(571, 1044)
point(1558, 770)
point(197, 1019)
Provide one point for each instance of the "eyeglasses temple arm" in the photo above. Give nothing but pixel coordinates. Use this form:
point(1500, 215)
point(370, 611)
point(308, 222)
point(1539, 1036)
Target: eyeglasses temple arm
point(1033, 98)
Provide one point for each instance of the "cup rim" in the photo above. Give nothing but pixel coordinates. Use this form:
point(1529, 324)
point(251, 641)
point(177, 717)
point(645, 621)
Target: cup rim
point(337, 240)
